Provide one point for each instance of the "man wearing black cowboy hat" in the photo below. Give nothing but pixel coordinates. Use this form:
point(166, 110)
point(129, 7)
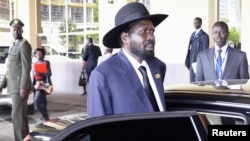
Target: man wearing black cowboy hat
point(117, 85)
point(17, 79)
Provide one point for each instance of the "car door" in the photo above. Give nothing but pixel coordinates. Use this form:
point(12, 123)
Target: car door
point(217, 105)
point(157, 126)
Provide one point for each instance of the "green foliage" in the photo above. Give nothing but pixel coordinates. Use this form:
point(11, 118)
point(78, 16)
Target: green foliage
point(74, 40)
point(96, 19)
point(234, 35)
point(95, 37)
point(96, 12)
point(224, 20)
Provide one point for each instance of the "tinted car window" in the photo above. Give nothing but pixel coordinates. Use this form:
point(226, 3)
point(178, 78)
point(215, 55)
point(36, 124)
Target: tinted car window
point(141, 130)
point(153, 129)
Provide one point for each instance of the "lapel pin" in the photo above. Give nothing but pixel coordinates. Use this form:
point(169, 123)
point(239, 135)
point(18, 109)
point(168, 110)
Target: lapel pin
point(157, 76)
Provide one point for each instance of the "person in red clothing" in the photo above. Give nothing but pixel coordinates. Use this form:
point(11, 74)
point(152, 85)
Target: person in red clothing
point(42, 73)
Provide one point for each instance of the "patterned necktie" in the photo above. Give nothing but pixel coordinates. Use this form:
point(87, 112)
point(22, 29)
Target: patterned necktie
point(219, 64)
point(148, 88)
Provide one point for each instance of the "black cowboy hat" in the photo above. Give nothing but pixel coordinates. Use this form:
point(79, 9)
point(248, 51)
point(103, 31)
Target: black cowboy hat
point(129, 13)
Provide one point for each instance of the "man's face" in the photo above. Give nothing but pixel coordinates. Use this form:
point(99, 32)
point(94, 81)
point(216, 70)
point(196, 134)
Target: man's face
point(142, 39)
point(17, 31)
point(87, 42)
point(220, 35)
point(39, 55)
point(197, 24)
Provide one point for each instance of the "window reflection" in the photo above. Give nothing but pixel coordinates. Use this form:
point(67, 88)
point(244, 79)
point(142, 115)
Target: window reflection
point(219, 119)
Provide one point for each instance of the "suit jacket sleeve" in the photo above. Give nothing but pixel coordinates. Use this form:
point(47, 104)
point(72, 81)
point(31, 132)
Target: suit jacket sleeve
point(26, 65)
point(99, 103)
point(85, 55)
point(199, 69)
point(204, 41)
point(244, 74)
point(187, 60)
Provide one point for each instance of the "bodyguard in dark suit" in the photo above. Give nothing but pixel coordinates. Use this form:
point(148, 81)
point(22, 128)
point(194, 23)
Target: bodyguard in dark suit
point(199, 41)
point(90, 57)
point(116, 85)
point(17, 79)
point(222, 61)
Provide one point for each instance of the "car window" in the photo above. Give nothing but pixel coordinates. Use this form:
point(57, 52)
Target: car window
point(141, 129)
point(219, 119)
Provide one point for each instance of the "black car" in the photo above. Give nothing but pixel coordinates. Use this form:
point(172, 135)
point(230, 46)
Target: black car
point(191, 110)
point(130, 127)
point(212, 102)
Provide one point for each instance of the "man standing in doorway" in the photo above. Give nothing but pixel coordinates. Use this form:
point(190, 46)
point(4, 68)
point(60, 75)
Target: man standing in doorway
point(199, 41)
point(17, 79)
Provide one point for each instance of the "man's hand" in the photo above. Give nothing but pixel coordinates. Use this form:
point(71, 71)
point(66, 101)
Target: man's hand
point(24, 93)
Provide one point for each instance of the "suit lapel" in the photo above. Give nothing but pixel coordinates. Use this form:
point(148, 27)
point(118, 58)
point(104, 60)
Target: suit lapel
point(131, 78)
point(199, 34)
point(210, 58)
point(156, 74)
point(229, 60)
point(16, 46)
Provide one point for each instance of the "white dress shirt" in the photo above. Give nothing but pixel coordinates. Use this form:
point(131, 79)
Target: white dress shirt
point(223, 55)
point(136, 65)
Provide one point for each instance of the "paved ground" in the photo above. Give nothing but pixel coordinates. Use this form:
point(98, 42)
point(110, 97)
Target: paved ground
point(58, 105)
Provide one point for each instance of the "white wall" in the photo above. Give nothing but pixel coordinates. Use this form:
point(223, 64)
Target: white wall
point(173, 34)
point(65, 76)
point(245, 28)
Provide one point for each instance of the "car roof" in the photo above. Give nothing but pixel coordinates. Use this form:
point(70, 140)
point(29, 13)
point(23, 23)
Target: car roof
point(239, 87)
